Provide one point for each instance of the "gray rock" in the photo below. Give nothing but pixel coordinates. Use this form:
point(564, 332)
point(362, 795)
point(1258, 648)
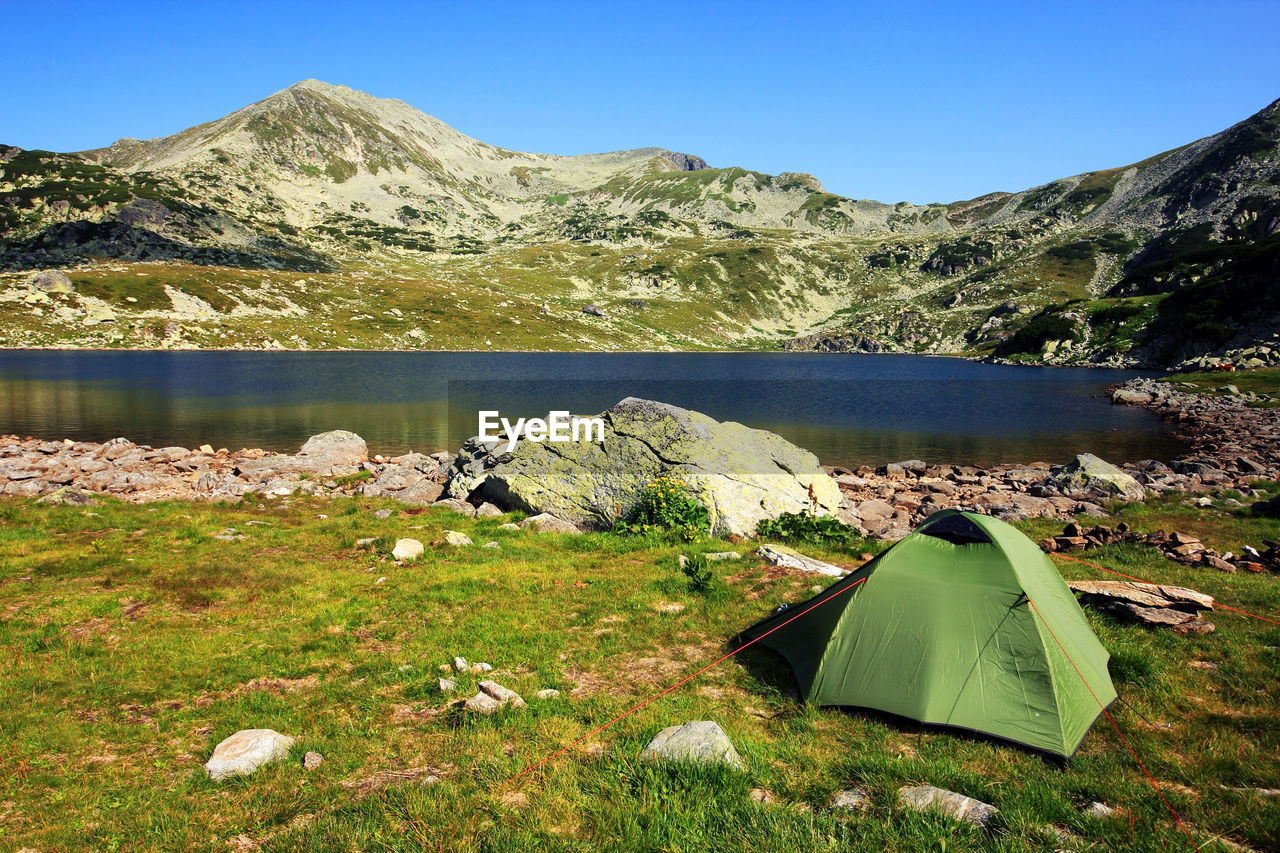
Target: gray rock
point(482, 703)
point(852, 800)
point(723, 555)
point(337, 447)
point(546, 523)
point(447, 685)
point(502, 694)
point(488, 510)
point(459, 506)
point(407, 549)
point(956, 806)
point(594, 310)
point(699, 742)
point(460, 664)
point(549, 693)
point(383, 513)
point(421, 493)
point(246, 751)
point(456, 539)
point(781, 555)
point(312, 760)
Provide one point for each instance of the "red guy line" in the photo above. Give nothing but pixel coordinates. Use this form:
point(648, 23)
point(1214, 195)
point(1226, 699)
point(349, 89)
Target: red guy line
point(1125, 740)
point(682, 681)
point(1153, 583)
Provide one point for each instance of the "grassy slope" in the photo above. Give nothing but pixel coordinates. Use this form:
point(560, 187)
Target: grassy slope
point(108, 716)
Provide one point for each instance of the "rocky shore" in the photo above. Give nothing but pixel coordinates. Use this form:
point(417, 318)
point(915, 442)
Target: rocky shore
point(1232, 444)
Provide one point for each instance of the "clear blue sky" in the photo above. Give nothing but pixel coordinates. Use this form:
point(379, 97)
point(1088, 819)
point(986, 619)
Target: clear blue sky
point(933, 102)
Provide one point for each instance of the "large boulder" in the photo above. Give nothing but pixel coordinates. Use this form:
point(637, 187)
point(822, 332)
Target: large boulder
point(741, 475)
point(336, 447)
point(1089, 475)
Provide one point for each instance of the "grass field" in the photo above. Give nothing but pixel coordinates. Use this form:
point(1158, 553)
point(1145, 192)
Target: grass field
point(134, 642)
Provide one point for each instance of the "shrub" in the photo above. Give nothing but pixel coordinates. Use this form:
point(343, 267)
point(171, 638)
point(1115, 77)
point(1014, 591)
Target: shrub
point(805, 527)
point(697, 568)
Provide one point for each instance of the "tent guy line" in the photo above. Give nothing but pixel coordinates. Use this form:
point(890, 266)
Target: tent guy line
point(1216, 603)
point(682, 681)
point(1111, 720)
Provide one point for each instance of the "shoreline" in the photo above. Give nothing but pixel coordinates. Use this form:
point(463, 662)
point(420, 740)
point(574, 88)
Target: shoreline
point(976, 359)
point(1230, 445)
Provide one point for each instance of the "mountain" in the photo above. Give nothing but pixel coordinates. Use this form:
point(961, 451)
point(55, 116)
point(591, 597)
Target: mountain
point(322, 216)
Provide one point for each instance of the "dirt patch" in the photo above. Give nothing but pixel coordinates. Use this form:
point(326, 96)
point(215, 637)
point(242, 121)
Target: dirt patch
point(423, 775)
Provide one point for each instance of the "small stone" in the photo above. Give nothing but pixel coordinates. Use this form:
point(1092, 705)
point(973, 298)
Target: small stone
point(383, 513)
point(763, 796)
point(723, 555)
point(407, 549)
point(366, 542)
point(949, 803)
point(404, 667)
point(852, 800)
point(483, 667)
point(549, 693)
point(1098, 810)
point(246, 751)
point(456, 539)
point(447, 685)
point(206, 448)
point(502, 694)
point(312, 760)
point(460, 664)
point(490, 545)
point(510, 525)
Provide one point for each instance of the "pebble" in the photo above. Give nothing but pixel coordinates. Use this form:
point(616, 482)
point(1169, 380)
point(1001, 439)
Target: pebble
point(447, 685)
point(383, 513)
point(312, 760)
point(549, 693)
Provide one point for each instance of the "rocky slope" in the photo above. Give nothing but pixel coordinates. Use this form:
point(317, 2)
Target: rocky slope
point(1157, 262)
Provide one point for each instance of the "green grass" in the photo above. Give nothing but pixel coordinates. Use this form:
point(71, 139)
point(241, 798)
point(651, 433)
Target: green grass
point(134, 642)
point(1264, 380)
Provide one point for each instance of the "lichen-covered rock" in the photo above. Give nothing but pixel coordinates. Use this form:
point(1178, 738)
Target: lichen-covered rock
point(1089, 475)
point(949, 803)
point(338, 447)
point(246, 751)
point(699, 742)
point(741, 475)
point(52, 281)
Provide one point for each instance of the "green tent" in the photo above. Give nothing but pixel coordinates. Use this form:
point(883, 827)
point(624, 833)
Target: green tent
point(941, 628)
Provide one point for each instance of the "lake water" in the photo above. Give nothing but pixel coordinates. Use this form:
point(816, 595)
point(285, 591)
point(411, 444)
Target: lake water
point(848, 409)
